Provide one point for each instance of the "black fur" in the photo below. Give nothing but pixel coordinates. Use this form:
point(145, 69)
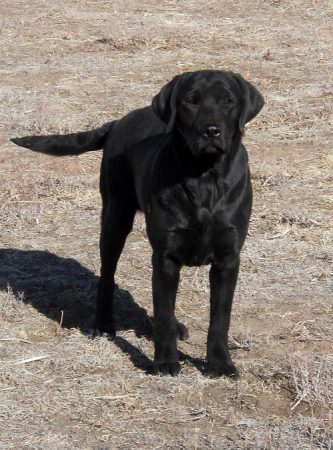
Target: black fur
point(182, 163)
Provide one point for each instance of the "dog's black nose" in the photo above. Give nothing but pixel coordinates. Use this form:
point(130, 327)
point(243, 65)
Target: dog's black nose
point(212, 131)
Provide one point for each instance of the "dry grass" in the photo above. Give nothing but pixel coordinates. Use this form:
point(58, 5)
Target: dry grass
point(74, 65)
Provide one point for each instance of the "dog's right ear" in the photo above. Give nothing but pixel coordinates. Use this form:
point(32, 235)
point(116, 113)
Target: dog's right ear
point(165, 102)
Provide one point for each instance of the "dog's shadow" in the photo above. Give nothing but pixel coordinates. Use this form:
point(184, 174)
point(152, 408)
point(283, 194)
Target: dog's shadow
point(64, 291)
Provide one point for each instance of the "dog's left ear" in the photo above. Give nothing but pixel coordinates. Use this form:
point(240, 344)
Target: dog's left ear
point(252, 100)
point(165, 102)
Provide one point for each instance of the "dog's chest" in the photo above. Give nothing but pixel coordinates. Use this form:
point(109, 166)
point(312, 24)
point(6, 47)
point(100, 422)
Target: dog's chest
point(191, 221)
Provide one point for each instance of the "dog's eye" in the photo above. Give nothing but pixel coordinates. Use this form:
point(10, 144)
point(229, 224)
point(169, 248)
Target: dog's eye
point(193, 100)
point(227, 100)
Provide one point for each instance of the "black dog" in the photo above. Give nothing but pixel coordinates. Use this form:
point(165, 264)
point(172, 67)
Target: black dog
point(181, 162)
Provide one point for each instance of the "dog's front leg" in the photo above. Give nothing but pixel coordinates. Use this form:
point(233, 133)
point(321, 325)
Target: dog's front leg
point(223, 281)
point(165, 284)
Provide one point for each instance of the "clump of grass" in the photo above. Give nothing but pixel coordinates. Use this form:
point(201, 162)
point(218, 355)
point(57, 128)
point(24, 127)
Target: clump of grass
point(312, 381)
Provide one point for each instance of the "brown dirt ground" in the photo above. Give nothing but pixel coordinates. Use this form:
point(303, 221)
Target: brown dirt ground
point(74, 65)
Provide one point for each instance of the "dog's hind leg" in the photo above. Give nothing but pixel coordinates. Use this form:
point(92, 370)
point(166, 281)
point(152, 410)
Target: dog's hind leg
point(119, 207)
point(117, 222)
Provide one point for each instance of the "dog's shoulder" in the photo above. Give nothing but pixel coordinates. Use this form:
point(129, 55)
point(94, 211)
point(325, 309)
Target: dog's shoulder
point(154, 166)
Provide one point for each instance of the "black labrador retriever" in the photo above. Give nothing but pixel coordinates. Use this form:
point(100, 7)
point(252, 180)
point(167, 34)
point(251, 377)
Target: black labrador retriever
point(182, 163)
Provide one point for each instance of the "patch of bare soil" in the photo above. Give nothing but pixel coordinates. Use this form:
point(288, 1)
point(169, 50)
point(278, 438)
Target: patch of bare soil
point(74, 65)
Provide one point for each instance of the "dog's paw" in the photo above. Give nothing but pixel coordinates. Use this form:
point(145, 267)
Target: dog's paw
point(163, 368)
point(99, 331)
point(219, 370)
point(182, 332)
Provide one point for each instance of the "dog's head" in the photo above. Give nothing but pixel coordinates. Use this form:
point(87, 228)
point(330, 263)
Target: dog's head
point(208, 109)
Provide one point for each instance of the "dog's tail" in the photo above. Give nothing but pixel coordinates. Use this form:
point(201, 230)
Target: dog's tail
point(67, 144)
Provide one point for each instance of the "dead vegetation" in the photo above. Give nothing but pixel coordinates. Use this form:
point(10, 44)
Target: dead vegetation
point(73, 65)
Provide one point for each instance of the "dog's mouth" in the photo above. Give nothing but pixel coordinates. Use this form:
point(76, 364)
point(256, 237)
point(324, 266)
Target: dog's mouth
point(211, 149)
